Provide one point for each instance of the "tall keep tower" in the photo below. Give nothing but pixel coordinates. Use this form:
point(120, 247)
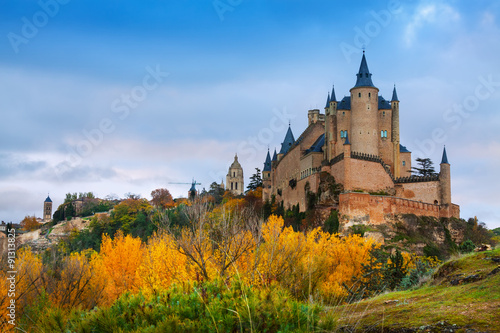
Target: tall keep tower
point(364, 109)
point(47, 209)
point(234, 178)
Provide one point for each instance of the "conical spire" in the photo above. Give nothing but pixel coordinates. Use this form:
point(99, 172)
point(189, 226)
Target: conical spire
point(364, 77)
point(394, 95)
point(275, 156)
point(288, 142)
point(445, 158)
point(267, 163)
point(48, 199)
point(333, 98)
point(327, 101)
point(346, 139)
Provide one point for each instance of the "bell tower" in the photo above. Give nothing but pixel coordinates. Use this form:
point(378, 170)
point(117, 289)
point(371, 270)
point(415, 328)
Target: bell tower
point(47, 209)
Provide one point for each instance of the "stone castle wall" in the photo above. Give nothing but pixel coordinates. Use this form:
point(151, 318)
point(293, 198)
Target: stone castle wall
point(356, 208)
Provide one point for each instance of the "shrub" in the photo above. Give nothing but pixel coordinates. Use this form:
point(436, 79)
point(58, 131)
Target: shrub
point(467, 246)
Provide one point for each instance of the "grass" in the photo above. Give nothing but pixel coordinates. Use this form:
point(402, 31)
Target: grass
point(475, 305)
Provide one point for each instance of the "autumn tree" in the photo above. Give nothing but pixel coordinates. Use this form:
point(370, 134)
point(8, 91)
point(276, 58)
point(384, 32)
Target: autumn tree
point(162, 198)
point(29, 223)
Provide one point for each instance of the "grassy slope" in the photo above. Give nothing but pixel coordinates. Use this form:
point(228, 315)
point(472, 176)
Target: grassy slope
point(475, 305)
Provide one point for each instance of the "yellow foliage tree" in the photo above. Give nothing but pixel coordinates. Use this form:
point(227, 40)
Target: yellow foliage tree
point(118, 263)
point(162, 264)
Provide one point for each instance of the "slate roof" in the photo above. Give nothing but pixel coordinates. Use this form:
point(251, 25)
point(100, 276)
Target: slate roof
point(445, 158)
point(394, 95)
point(327, 101)
point(275, 156)
point(48, 199)
point(383, 104)
point(288, 142)
point(364, 77)
point(345, 103)
point(402, 149)
point(317, 146)
point(267, 163)
point(332, 97)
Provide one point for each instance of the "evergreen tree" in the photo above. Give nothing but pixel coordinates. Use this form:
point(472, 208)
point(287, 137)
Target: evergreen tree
point(425, 168)
point(255, 181)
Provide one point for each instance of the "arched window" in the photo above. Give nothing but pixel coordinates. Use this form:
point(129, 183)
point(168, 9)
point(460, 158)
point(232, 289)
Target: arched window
point(359, 95)
point(404, 163)
point(381, 134)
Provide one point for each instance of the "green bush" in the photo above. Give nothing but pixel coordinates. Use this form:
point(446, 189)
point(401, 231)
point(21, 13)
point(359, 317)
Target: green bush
point(467, 246)
point(192, 307)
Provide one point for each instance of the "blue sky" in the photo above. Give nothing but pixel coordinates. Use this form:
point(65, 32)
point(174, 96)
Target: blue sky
point(226, 77)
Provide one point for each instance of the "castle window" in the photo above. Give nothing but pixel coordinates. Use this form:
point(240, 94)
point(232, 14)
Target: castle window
point(231, 186)
point(235, 186)
point(343, 113)
point(369, 95)
point(359, 94)
point(383, 113)
point(404, 163)
point(234, 174)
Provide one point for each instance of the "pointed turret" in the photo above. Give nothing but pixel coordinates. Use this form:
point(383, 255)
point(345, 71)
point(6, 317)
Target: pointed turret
point(394, 95)
point(328, 101)
point(346, 142)
point(445, 179)
point(288, 142)
point(267, 163)
point(48, 199)
point(275, 156)
point(333, 98)
point(445, 158)
point(364, 77)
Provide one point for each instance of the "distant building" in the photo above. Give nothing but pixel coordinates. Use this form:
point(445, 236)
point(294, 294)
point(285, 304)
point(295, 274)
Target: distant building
point(234, 178)
point(47, 209)
point(357, 141)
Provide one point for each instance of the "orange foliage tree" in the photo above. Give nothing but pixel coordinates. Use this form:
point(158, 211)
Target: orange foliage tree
point(162, 198)
point(29, 223)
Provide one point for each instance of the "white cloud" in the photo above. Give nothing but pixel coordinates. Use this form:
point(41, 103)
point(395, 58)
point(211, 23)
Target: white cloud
point(438, 15)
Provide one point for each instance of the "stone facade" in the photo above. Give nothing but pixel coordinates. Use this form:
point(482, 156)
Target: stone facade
point(234, 179)
point(357, 141)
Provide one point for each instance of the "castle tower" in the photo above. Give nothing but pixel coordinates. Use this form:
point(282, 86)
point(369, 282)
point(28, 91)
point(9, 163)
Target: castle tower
point(234, 178)
point(266, 178)
point(330, 125)
point(347, 163)
point(47, 209)
point(445, 180)
point(395, 133)
point(364, 112)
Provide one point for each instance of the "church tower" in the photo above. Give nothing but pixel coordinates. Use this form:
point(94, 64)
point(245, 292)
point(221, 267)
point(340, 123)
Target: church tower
point(364, 109)
point(47, 209)
point(234, 178)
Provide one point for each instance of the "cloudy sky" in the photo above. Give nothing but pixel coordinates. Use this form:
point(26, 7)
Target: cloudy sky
point(127, 96)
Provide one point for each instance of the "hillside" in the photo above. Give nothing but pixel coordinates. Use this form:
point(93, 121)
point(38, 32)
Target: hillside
point(463, 295)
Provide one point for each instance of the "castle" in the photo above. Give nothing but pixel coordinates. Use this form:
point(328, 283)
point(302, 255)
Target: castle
point(357, 142)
